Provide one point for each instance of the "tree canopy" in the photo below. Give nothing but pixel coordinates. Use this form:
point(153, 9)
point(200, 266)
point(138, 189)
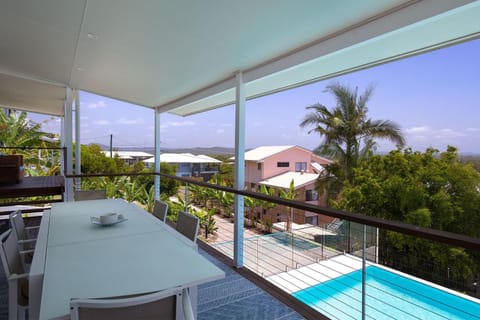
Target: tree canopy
point(348, 134)
point(26, 136)
point(428, 189)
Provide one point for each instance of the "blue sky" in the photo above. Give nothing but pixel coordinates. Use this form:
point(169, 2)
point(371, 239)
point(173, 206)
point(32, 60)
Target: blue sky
point(434, 97)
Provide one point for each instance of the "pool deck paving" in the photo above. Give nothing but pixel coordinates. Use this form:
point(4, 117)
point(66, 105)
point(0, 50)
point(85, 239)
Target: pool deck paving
point(315, 273)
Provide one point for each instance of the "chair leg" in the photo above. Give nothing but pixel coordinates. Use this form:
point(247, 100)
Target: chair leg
point(23, 314)
point(187, 305)
point(12, 301)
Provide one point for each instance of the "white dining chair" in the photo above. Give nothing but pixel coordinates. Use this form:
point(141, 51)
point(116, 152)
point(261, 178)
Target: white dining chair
point(80, 195)
point(160, 210)
point(166, 304)
point(188, 224)
point(27, 236)
point(17, 278)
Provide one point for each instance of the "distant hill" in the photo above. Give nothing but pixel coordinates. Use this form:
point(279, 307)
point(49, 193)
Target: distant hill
point(197, 150)
point(200, 150)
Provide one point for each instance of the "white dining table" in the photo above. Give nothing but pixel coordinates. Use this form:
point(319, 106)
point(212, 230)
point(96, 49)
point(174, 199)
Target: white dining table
point(75, 258)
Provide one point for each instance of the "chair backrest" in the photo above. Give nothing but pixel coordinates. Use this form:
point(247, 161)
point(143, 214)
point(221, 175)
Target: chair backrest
point(11, 260)
point(18, 225)
point(187, 224)
point(160, 210)
point(80, 195)
point(15, 273)
point(157, 305)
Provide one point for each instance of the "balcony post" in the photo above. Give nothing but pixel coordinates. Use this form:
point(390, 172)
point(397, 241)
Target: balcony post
point(364, 271)
point(157, 154)
point(68, 143)
point(239, 169)
point(78, 154)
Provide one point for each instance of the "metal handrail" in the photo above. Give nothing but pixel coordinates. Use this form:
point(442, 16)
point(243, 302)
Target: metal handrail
point(401, 227)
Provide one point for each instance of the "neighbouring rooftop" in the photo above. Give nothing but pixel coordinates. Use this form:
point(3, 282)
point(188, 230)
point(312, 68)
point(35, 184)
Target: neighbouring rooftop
point(283, 180)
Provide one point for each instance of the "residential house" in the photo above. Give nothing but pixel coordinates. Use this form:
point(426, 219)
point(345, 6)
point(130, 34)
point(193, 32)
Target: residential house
point(189, 165)
point(276, 167)
point(128, 50)
point(130, 157)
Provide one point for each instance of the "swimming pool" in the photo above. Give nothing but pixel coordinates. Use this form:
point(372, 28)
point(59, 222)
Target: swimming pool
point(285, 239)
point(388, 296)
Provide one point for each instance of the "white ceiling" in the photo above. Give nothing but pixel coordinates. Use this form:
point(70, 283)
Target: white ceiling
point(181, 56)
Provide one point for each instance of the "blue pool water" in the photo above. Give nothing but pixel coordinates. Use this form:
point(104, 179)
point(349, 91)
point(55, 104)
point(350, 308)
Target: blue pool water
point(388, 296)
point(286, 240)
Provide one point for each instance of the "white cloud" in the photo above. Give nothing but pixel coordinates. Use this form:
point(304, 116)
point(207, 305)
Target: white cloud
point(101, 122)
point(186, 123)
point(95, 105)
point(130, 121)
point(472, 129)
point(417, 129)
point(226, 125)
point(449, 133)
point(220, 131)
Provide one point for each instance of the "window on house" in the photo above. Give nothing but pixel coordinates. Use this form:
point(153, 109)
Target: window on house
point(283, 164)
point(311, 195)
point(312, 220)
point(300, 166)
point(259, 166)
point(252, 186)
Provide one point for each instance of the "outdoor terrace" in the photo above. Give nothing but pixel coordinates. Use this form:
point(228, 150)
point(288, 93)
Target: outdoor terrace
point(299, 262)
point(281, 265)
point(233, 297)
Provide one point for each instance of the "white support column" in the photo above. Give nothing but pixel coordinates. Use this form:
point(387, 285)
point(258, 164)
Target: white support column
point(239, 169)
point(63, 165)
point(157, 154)
point(77, 140)
point(68, 143)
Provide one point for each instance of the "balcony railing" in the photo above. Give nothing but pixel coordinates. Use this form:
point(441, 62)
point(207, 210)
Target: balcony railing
point(40, 180)
point(344, 270)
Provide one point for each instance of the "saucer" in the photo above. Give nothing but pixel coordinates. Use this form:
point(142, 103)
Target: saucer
point(96, 220)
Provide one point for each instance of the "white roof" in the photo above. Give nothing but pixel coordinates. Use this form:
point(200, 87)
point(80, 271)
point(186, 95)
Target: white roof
point(182, 56)
point(318, 167)
point(260, 153)
point(283, 180)
point(129, 154)
point(183, 158)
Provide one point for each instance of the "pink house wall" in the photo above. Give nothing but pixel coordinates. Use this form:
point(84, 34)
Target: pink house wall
point(292, 156)
point(252, 174)
point(270, 169)
point(269, 166)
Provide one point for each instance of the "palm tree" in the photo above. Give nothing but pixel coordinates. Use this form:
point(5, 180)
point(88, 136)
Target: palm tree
point(349, 135)
point(289, 194)
point(17, 131)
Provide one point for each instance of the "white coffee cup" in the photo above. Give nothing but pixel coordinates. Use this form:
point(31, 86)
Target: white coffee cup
point(108, 218)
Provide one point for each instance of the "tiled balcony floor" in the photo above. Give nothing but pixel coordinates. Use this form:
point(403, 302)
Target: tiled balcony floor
point(237, 298)
point(233, 297)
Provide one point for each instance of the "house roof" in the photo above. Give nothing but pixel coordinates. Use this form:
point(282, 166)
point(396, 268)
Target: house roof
point(283, 180)
point(129, 154)
point(318, 167)
point(183, 158)
point(260, 153)
point(183, 56)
